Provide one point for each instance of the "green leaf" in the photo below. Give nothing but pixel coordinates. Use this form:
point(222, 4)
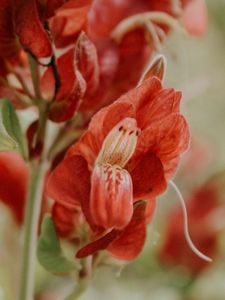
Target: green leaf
point(11, 135)
point(49, 251)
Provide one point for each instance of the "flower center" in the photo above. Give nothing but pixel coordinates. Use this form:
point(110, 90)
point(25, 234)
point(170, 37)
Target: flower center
point(120, 144)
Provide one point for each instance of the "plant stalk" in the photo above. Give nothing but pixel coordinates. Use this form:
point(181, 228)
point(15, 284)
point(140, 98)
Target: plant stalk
point(32, 214)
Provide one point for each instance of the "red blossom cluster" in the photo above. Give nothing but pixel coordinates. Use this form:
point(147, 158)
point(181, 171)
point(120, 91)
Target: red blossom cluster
point(83, 55)
point(202, 205)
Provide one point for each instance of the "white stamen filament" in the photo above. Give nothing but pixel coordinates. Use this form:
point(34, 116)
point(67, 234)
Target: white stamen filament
point(140, 20)
point(186, 229)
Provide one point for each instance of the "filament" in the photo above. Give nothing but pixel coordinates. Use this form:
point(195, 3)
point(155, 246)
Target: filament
point(186, 229)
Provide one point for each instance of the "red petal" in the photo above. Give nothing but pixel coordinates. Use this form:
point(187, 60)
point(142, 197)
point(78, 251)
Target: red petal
point(66, 109)
point(144, 94)
point(133, 56)
point(51, 6)
point(67, 76)
point(108, 64)
point(69, 183)
point(131, 241)
point(14, 178)
point(103, 121)
point(8, 45)
point(163, 103)
point(97, 245)
point(168, 139)
point(66, 220)
point(134, 243)
point(68, 21)
point(100, 125)
point(30, 30)
point(111, 201)
point(147, 176)
point(87, 62)
point(103, 17)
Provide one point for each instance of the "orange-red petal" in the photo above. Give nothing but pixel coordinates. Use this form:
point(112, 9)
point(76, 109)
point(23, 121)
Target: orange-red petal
point(68, 21)
point(130, 243)
point(165, 102)
point(147, 175)
point(13, 183)
point(30, 29)
point(72, 87)
point(87, 62)
point(69, 183)
point(66, 220)
point(100, 125)
point(111, 202)
point(125, 244)
point(168, 139)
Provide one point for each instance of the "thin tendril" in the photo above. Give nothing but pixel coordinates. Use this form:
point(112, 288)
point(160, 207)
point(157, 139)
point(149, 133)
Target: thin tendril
point(186, 229)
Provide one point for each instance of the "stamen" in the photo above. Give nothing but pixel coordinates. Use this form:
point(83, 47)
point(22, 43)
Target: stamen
point(119, 145)
point(186, 229)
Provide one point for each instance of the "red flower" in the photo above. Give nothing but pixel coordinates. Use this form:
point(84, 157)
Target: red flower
point(128, 152)
point(108, 65)
point(14, 179)
point(175, 250)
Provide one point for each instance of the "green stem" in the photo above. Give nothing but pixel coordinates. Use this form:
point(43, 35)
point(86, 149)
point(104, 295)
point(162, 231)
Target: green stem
point(43, 118)
point(35, 76)
point(84, 279)
point(32, 215)
point(80, 289)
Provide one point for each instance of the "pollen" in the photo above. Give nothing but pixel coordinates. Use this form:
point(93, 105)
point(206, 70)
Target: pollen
point(120, 144)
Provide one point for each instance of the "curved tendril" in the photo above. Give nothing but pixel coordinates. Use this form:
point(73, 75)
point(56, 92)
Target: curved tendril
point(186, 229)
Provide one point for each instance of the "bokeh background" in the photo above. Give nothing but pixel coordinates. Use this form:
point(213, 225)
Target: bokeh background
point(197, 67)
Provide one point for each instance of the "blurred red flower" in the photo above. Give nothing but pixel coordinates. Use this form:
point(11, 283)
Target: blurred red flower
point(39, 26)
point(129, 151)
point(14, 180)
point(175, 250)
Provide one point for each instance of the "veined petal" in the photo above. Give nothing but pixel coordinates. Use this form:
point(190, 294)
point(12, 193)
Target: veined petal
point(103, 121)
point(111, 202)
point(147, 175)
point(168, 139)
point(69, 183)
point(165, 102)
point(130, 243)
point(87, 62)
